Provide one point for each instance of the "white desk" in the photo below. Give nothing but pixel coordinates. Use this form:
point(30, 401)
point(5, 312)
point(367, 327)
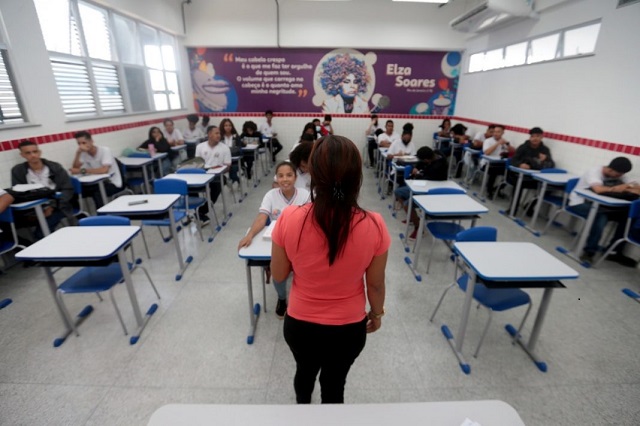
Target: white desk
point(36, 205)
point(454, 413)
point(157, 205)
point(596, 201)
point(87, 180)
point(200, 182)
point(76, 245)
point(418, 187)
point(516, 193)
point(449, 206)
point(558, 180)
point(257, 254)
point(483, 186)
point(524, 264)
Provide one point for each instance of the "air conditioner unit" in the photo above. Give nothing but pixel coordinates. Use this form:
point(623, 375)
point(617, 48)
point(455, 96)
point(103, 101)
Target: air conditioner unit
point(493, 13)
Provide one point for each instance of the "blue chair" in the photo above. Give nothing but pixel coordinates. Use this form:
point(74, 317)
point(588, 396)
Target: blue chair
point(563, 207)
point(131, 182)
point(98, 279)
point(77, 189)
point(633, 220)
point(494, 299)
point(10, 244)
point(445, 231)
point(181, 210)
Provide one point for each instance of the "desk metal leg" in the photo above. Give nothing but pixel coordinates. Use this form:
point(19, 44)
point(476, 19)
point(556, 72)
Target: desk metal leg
point(535, 332)
point(182, 263)
point(140, 321)
point(536, 211)
point(483, 186)
point(516, 195)
point(42, 220)
point(160, 167)
point(212, 210)
point(586, 229)
point(456, 345)
point(145, 176)
point(254, 310)
point(405, 238)
point(103, 192)
point(413, 265)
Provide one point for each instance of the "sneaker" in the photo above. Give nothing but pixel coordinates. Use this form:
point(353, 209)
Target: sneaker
point(413, 235)
point(587, 257)
point(281, 308)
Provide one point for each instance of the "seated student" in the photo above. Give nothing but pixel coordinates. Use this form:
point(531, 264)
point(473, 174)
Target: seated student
point(273, 204)
point(495, 147)
point(320, 131)
point(431, 165)
point(602, 179)
point(173, 135)
point(94, 160)
point(387, 138)
point(402, 147)
point(160, 143)
point(214, 154)
point(250, 136)
point(37, 170)
point(204, 124)
point(476, 143)
point(5, 228)
point(192, 134)
point(327, 128)
point(534, 155)
point(266, 129)
point(445, 129)
point(229, 137)
point(299, 157)
point(370, 133)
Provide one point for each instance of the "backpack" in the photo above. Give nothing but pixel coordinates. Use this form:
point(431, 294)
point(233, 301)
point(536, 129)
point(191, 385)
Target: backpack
point(31, 194)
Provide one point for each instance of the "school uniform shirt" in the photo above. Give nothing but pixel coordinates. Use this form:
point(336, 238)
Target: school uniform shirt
point(274, 201)
point(43, 177)
point(398, 146)
point(394, 137)
point(487, 144)
point(303, 180)
point(193, 135)
point(214, 156)
point(174, 136)
point(266, 129)
point(102, 158)
point(593, 177)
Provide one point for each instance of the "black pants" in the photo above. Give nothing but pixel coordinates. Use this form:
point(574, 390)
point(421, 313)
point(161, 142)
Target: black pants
point(495, 170)
point(215, 189)
point(328, 349)
point(276, 147)
point(527, 183)
point(372, 145)
point(94, 192)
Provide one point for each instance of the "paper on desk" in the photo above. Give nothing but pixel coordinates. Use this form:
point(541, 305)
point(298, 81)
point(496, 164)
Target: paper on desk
point(269, 230)
point(24, 187)
point(469, 422)
point(216, 170)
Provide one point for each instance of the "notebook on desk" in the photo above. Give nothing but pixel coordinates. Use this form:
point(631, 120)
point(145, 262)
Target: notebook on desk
point(269, 230)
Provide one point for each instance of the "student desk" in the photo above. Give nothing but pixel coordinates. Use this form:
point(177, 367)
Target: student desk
point(87, 246)
point(157, 206)
point(508, 264)
point(257, 254)
point(596, 201)
point(254, 148)
point(381, 163)
point(181, 150)
point(445, 413)
point(447, 207)
point(516, 192)
point(133, 163)
point(421, 187)
point(558, 181)
point(88, 180)
point(474, 155)
point(36, 205)
point(218, 172)
point(485, 175)
point(200, 182)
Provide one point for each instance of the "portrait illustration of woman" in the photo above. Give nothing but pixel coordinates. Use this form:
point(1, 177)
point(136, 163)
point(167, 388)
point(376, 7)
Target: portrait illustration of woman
point(345, 79)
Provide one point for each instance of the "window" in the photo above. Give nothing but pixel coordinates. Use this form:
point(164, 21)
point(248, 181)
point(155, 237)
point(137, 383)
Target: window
point(105, 63)
point(10, 108)
point(567, 43)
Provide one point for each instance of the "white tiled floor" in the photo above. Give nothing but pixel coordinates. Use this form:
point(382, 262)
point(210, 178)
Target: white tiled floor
point(194, 349)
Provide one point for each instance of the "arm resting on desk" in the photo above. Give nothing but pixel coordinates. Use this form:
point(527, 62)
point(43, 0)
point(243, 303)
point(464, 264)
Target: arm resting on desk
point(257, 226)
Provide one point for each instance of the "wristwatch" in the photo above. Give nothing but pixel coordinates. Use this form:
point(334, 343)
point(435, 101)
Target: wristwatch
point(376, 316)
point(83, 171)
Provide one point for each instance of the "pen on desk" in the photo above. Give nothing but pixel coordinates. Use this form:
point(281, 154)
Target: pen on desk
point(135, 203)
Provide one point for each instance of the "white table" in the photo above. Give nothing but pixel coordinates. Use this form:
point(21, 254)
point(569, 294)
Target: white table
point(36, 205)
point(516, 264)
point(257, 254)
point(483, 186)
point(449, 413)
point(558, 181)
point(156, 205)
point(596, 201)
point(200, 182)
point(143, 163)
point(516, 193)
point(86, 246)
point(420, 187)
point(87, 180)
point(449, 206)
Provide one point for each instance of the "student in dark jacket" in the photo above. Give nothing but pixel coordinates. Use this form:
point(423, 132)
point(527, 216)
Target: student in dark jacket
point(534, 155)
point(250, 136)
point(37, 170)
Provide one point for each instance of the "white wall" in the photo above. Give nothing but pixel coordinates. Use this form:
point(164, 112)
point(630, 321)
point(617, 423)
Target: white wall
point(594, 97)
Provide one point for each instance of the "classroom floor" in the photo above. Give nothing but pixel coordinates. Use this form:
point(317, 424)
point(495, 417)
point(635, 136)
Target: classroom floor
point(194, 349)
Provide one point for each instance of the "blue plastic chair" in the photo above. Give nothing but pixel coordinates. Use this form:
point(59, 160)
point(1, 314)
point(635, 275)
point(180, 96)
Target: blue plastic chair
point(131, 182)
point(408, 168)
point(563, 207)
point(634, 215)
point(494, 299)
point(445, 231)
point(97, 279)
point(77, 189)
point(551, 197)
point(12, 244)
point(181, 210)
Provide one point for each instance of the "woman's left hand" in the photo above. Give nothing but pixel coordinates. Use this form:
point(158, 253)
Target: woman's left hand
point(373, 324)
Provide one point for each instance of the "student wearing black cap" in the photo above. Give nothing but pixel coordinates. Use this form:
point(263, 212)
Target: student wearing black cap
point(600, 180)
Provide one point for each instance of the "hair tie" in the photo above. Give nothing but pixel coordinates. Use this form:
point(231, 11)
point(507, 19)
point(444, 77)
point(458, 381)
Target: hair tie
point(337, 191)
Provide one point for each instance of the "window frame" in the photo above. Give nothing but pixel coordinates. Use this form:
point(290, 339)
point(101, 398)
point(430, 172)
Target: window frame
point(14, 81)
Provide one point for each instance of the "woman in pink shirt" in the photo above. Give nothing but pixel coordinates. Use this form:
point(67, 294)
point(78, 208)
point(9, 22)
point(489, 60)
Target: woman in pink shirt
point(338, 253)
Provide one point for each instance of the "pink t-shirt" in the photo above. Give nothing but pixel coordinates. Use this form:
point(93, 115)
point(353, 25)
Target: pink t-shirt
point(323, 294)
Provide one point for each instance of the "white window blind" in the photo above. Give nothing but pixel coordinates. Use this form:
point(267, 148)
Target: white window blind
point(10, 110)
point(74, 87)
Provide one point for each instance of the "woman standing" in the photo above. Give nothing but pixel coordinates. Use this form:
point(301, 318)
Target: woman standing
point(331, 244)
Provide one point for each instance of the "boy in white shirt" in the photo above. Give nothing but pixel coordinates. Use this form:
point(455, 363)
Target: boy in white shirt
point(215, 154)
point(387, 138)
point(192, 135)
point(268, 130)
point(495, 147)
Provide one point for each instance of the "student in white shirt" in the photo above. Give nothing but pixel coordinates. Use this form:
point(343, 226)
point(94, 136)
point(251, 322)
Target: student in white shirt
point(299, 157)
point(495, 147)
point(387, 138)
point(273, 203)
point(370, 133)
point(402, 147)
point(266, 129)
point(173, 135)
point(192, 134)
point(95, 160)
point(214, 154)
